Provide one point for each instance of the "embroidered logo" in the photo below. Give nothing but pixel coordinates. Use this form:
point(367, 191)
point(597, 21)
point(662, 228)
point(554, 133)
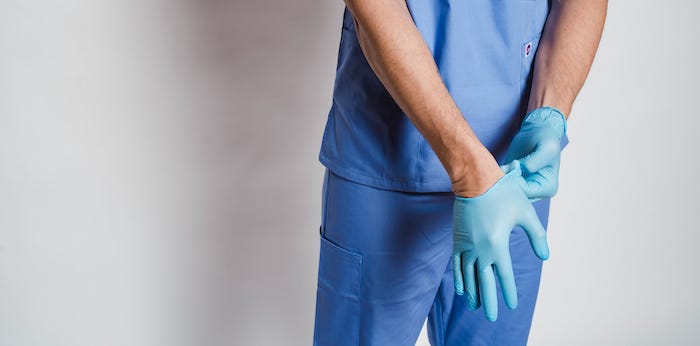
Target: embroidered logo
point(528, 49)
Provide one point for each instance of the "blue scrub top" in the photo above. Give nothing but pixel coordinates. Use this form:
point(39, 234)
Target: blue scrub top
point(484, 50)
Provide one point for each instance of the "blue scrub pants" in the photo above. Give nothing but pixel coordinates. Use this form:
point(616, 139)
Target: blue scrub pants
point(386, 263)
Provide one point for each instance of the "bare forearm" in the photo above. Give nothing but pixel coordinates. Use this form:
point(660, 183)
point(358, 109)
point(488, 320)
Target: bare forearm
point(566, 51)
point(403, 62)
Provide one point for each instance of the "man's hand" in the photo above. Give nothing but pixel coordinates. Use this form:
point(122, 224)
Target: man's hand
point(538, 148)
point(564, 57)
point(481, 248)
point(476, 180)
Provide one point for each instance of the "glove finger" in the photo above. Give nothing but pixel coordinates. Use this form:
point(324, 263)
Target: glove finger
point(470, 281)
point(542, 156)
point(538, 185)
point(487, 290)
point(504, 271)
point(457, 270)
point(535, 232)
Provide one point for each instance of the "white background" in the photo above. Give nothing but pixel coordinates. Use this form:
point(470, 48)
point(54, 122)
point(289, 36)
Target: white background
point(159, 182)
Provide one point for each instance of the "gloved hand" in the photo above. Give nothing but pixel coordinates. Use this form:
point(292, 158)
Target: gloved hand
point(481, 231)
point(538, 148)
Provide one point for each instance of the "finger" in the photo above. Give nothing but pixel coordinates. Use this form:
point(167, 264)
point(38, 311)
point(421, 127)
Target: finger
point(487, 289)
point(470, 281)
point(504, 271)
point(535, 232)
point(541, 157)
point(457, 270)
point(530, 187)
point(536, 185)
point(542, 184)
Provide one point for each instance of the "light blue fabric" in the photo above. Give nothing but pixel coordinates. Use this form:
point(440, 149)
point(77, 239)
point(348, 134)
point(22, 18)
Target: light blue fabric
point(481, 232)
point(537, 148)
point(484, 51)
point(386, 263)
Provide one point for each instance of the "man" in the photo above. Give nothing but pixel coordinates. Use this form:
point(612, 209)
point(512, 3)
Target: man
point(442, 151)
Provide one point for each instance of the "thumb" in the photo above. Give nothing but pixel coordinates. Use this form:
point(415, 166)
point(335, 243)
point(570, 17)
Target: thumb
point(532, 186)
point(535, 232)
point(538, 185)
point(540, 157)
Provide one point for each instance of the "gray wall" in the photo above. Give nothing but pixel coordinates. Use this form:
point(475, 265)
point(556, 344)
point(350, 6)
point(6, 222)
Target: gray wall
point(159, 182)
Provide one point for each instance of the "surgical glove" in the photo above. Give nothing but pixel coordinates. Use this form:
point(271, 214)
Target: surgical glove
point(481, 231)
point(538, 148)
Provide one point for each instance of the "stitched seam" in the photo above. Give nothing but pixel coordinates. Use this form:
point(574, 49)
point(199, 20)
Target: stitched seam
point(417, 157)
point(352, 170)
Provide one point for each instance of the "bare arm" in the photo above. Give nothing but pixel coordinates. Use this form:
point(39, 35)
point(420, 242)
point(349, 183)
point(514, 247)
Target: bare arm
point(565, 55)
point(404, 64)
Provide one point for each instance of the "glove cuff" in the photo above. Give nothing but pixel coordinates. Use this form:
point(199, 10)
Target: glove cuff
point(512, 170)
point(548, 116)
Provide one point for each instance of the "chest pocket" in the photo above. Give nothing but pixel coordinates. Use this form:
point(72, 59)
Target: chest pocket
point(530, 45)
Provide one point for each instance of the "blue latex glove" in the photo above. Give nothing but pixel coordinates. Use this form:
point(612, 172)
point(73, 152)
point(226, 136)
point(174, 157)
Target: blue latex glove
point(481, 231)
point(538, 148)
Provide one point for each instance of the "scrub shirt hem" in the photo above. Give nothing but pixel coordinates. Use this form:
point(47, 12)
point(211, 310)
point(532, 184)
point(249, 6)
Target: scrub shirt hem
point(416, 186)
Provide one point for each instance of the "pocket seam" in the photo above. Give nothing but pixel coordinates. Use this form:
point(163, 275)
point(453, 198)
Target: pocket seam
point(357, 257)
point(352, 294)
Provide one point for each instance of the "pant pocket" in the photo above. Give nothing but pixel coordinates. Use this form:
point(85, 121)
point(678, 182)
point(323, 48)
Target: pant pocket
point(338, 296)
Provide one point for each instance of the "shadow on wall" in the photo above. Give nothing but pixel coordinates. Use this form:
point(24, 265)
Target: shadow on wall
point(264, 71)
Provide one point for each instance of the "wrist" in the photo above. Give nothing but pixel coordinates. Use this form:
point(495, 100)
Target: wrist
point(546, 116)
point(549, 98)
point(479, 173)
